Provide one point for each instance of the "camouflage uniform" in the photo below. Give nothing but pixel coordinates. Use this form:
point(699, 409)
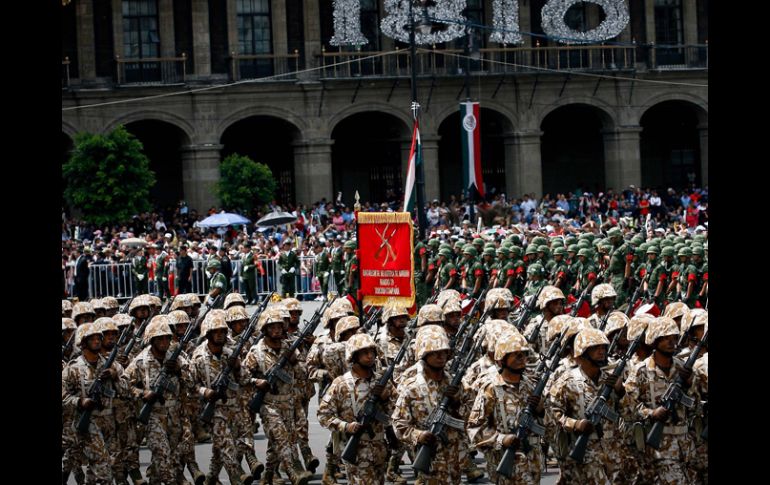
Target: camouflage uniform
point(342, 404)
point(77, 378)
point(164, 429)
point(206, 367)
point(645, 386)
point(278, 410)
point(418, 396)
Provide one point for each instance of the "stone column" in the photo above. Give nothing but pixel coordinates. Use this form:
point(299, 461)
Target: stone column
point(525, 23)
point(201, 38)
point(84, 18)
point(312, 20)
point(649, 18)
point(523, 166)
point(690, 21)
point(703, 135)
point(313, 170)
point(117, 27)
point(200, 173)
point(232, 27)
point(166, 28)
point(430, 166)
point(622, 161)
point(278, 27)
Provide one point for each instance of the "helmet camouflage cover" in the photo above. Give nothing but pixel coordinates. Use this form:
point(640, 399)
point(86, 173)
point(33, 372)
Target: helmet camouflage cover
point(359, 341)
point(587, 338)
point(431, 338)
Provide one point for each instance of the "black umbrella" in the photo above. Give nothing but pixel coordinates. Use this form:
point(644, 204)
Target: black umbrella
point(277, 218)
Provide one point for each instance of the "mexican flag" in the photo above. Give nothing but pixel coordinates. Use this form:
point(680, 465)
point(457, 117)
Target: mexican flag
point(415, 157)
point(470, 133)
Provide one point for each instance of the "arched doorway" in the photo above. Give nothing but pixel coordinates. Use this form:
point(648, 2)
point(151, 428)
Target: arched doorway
point(268, 140)
point(367, 156)
point(572, 149)
point(162, 143)
point(450, 156)
point(670, 145)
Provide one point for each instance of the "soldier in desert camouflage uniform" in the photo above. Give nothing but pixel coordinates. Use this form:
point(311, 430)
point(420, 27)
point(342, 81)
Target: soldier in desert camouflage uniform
point(603, 300)
point(498, 402)
point(278, 408)
point(419, 395)
point(345, 399)
point(207, 361)
point(164, 429)
point(551, 303)
point(66, 309)
point(646, 386)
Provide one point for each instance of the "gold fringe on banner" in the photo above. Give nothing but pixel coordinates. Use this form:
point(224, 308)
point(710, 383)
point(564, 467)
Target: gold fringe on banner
point(384, 217)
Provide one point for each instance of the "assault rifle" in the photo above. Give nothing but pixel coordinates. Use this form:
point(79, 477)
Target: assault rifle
point(522, 320)
point(466, 321)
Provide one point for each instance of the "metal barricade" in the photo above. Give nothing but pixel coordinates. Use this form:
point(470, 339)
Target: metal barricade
point(308, 283)
point(111, 279)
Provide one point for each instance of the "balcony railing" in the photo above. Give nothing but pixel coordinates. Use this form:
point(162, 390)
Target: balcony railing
point(65, 73)
point(255, 66)
point(448, 62)
point(151, 70)
point(677, 57)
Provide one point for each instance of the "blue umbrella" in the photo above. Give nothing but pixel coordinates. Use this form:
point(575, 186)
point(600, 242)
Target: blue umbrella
point(223, 219)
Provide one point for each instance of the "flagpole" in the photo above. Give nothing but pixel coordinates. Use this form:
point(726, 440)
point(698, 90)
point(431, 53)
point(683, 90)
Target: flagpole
point(419, 174)
point(471, 194)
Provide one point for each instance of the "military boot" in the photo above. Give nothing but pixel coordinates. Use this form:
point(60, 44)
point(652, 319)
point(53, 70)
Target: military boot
point(473, 473)
point(246, 479)
point(328, 476)
point(136, 477)
point(267, 478)
point(202, 436)
point(311, 462)
point(393, 474)
point(255, 466)
point(299, 476)
point(196, 473)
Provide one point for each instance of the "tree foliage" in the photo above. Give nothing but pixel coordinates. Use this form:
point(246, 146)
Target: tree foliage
point(245, 184)
point(108, 177)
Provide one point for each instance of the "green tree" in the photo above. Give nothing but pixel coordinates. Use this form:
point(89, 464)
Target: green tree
point(245, 184)
point(108, 177)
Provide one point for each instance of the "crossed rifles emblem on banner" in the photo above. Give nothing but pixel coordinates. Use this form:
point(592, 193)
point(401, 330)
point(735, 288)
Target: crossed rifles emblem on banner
point(391, 254)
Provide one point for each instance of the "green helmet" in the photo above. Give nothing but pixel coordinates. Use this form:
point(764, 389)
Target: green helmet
point(447, 253)
point(585, 252)
point(535, 269)
point(434, 243)
point(667, 243)
point(685, 251)
point(531, 249)
point(539, 241)
point(605, 247)
point(515, 251)
point(670, 237)
point(678, 246)
point(639, 252)
point(679, 240)
point(559, 251)
point(214, 263)
point(350, 245)
point(515, 240)
point(489, 252)
point(699, 238)
point(652, 249)
point(556, 241)
point(583, 244)
point(490, 245)
point(590, 236)
point(469, 249)
point(570, 240)
point(637, 240)
point(445, 246)
point(478, 241)
point(667, 251)
point(504, 251)
point(614, 232)
point(698, 251)
point(542, 249)
point(459, 244)
point(573, 248)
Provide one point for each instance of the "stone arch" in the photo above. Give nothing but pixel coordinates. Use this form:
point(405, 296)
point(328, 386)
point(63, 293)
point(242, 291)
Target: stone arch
point(255, 111)
point(700, 104)
point(374, 107)
point(154, 115)
point(68, 129)
point(607, 114)
point(510, 117)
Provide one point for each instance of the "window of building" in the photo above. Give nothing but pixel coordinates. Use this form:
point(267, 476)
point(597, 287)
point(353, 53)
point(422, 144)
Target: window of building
point(254, 37)
point(669, 31)
point(141, 40)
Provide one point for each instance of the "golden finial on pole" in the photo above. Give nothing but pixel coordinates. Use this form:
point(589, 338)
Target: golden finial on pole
point(357, 205)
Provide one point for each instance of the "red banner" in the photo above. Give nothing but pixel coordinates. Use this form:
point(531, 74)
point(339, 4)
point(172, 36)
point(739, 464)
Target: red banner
point(386, 257)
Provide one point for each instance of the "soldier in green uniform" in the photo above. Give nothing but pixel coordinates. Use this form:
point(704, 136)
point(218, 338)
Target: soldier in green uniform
point(535, 275)
point(447, 271)
point(661, 276)
point(530, 255)
point(497, 274)
point(478, 245)
point(248, 274)
point(338, 265)
point(420, 270)
point(139, 269)
point(558, 274)
point(519, 270)
point(588, 272)
point(431, 276)
point(688, 278)
point(619, 269)
point(289, 264)
point(573, 266)
point(702, 267)
point(322, 265)
point(472, 272)
point(351, 269)
point(488, 263)
point(161, 272)
point(217, 280)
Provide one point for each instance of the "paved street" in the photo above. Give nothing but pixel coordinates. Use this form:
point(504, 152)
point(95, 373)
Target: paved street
point(318, 437)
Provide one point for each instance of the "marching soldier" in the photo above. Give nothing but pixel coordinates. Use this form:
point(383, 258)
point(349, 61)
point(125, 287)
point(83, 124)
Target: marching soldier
point(551, 303)
point(603, 300)
point(338, 265)
point(351, 269)
point(66, 309)
point(217, 281)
